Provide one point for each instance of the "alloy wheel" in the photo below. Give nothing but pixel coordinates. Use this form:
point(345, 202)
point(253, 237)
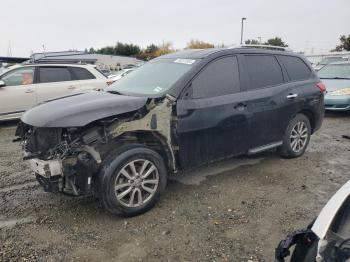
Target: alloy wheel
point(136, 183)
point(298, 136)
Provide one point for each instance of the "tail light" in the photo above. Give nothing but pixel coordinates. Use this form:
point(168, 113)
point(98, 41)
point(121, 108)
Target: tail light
point(322, 87)
point(109, 82)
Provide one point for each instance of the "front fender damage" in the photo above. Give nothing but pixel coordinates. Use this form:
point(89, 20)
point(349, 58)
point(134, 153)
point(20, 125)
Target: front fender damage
point(158, 121)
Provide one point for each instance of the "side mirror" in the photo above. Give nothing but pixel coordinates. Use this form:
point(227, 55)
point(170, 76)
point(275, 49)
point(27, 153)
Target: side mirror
point(2, 83)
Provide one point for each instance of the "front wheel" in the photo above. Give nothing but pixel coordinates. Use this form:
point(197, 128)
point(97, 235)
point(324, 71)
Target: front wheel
point(131, 181)
point(296, 137)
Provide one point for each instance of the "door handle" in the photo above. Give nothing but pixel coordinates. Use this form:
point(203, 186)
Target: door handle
point(71, 87)
point(29, 91)
point(240, 106)
point(292, 96)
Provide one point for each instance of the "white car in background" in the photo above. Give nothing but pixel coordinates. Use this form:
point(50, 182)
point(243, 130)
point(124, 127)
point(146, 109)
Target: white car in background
point(119, 75)
point(24, 86)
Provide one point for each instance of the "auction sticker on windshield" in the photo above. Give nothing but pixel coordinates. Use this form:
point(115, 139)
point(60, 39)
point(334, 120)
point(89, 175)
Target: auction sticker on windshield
point(185, 61)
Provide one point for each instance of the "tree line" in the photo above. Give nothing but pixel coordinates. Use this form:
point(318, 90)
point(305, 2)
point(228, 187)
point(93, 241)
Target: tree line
point(153, 50)
point(150, 52)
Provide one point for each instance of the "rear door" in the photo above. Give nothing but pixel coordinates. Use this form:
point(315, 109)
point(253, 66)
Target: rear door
point(55, 81)
point(87, 80)
point(267, 99)
point(19, 92)
point(212, 123)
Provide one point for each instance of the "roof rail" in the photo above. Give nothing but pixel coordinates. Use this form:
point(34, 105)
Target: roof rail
point(268, 47)
point(59, 62)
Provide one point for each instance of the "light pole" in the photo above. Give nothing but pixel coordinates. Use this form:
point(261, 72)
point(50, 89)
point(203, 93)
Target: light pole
point(243, 18)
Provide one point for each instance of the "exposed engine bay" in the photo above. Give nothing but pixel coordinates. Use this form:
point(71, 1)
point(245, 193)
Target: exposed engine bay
point(68, 159)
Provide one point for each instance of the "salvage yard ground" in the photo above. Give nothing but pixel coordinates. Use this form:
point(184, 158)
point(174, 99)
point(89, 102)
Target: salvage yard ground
point(236, 210)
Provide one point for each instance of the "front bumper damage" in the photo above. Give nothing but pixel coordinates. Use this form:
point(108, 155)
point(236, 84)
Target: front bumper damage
point(72, 176)
point(48, 173)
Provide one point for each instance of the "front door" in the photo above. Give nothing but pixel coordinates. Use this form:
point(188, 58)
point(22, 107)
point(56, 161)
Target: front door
point(18, 94)
point(212, 123)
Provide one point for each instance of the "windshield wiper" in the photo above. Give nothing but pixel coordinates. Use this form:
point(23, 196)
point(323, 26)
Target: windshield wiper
point(335, 77)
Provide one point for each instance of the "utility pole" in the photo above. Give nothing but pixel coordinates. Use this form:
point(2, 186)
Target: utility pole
point(259, 37)
point(44, 50)
point(243, 18)
point(9, 50)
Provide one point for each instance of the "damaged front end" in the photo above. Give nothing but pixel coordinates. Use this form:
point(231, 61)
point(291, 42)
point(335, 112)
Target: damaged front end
point(62, 159)
point(68, 159)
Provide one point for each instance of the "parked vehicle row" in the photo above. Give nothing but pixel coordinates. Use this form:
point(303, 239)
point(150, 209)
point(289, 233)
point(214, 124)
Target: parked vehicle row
point(174, 113)
point(25, 86)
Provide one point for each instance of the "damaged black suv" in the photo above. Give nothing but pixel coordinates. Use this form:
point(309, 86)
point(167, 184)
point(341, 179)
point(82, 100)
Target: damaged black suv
point(175, 112)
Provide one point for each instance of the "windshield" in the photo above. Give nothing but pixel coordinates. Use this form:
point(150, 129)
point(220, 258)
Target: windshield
point(335, 71)
point(153, 77)
point(328, 60)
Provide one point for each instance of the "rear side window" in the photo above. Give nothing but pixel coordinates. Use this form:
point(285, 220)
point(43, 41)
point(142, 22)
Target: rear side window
point(220, 77)
point(263, 71)
point(82, 73)
point(296, 68)
point(54, 74)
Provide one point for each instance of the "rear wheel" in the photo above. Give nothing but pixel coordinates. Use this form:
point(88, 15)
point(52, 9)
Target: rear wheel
point(131, 181)
point(296, 137)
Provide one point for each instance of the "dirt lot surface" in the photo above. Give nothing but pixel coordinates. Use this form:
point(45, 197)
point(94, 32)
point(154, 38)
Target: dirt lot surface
point(236, 210)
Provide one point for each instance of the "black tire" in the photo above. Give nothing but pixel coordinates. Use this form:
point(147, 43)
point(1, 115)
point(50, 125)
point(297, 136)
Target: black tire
point(286, 150)
point(112, 167)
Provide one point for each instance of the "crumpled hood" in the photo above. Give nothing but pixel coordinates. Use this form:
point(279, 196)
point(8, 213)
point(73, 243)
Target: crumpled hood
point(81, 109)
point(335, 84)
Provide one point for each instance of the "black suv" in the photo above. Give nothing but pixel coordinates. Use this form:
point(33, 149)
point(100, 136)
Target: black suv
point(175, 112)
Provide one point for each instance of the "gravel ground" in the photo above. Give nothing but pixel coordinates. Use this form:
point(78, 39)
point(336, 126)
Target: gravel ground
point(236, 210)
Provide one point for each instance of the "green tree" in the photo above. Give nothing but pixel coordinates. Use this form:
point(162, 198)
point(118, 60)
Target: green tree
point(197, 44)
point(344, 44)
point(120, 49)
point(152, 48)
point(277, 41)
point(251, 42)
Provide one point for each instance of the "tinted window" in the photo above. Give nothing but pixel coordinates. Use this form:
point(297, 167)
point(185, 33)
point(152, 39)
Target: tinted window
point(263, 71)
point(54, 74)
point(82, 73)
point(219, 78)
point(21, 76)
point(296, 68)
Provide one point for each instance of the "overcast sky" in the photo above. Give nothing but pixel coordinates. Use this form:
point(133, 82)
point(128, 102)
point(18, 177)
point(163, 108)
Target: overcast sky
point(59, 25)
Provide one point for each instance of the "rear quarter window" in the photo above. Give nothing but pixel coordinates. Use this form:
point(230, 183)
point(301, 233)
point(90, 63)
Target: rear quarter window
point(263, 71)
point(296, 68)
point(82, 73)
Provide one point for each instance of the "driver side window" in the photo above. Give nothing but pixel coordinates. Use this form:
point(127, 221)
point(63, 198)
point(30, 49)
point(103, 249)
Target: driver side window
point(20, 76)
point(220, 77)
